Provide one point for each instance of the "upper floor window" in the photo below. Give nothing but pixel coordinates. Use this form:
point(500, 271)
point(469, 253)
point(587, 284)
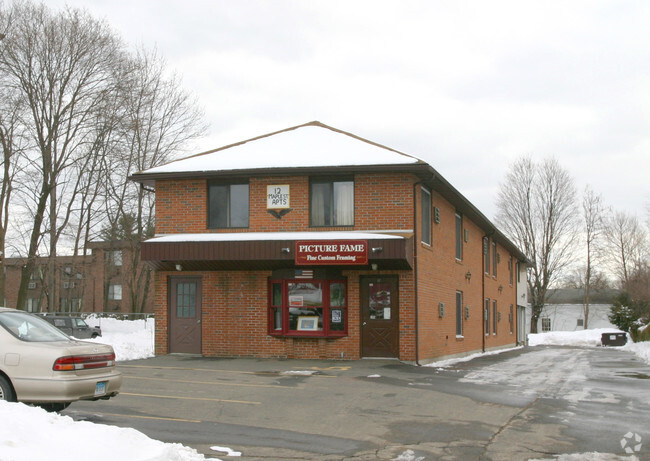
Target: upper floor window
point(114, 257)
point(494, 258)
point(486, 254)
point(332, 202)
point(459, 236)
point(510, 270)
point(115, 292)
point(426, 216)
point(227, 205)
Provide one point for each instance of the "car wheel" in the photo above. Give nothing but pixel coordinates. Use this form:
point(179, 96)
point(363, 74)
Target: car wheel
point(53, 407)
point(95, 335)
point(6, 391)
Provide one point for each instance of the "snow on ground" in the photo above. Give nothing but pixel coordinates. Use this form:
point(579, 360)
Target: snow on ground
point(131, 339)
point(29, 433)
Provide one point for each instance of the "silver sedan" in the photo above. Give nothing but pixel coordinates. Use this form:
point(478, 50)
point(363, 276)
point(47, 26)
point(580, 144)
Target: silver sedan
point(41, 365)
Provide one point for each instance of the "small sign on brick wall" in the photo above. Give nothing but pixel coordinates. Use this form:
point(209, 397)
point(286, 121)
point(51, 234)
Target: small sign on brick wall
point(277, 197)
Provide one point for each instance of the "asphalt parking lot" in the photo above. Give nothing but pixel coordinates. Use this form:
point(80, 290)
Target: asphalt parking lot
point(529, 403)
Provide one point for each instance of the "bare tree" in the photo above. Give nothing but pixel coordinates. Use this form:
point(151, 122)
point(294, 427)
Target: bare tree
point(12, 146)
point(61, 63)
point(592, 213)
point(626, 243)
point(158, 119)
point(537, 209)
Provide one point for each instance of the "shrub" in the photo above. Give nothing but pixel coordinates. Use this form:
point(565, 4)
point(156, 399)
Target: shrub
point(641, 333)
point(625, 312)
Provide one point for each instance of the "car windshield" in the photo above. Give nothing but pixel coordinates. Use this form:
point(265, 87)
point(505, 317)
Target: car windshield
point(30, 328)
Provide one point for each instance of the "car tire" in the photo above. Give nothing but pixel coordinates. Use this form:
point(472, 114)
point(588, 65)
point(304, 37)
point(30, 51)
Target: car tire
point(6, 391)
point(95, 335)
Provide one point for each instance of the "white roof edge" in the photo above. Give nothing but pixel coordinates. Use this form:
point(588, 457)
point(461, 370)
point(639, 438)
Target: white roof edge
point(251, 236)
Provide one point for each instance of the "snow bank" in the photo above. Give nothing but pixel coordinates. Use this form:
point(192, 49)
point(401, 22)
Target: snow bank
point(30, 433)
point(587, 338)
point(640, 349)
point(131, 339)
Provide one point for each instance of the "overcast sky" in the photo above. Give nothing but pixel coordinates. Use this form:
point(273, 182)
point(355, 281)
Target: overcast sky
point(468, 86)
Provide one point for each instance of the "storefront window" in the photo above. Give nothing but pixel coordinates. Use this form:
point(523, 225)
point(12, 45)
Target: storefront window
point(308, 308)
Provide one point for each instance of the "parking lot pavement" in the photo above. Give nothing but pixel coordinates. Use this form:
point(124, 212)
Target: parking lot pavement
point(528, 403)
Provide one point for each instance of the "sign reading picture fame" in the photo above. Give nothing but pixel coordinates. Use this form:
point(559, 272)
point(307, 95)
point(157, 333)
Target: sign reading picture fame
point(337, 252)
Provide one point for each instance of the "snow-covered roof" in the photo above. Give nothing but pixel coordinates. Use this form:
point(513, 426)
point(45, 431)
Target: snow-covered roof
point(252, 236)
point(311, 145)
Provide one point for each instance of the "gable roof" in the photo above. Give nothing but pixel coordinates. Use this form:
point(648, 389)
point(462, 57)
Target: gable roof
point(311, 145)
point(316, 148)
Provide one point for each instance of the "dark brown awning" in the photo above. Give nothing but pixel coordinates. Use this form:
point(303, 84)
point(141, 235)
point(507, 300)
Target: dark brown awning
point(389, 253)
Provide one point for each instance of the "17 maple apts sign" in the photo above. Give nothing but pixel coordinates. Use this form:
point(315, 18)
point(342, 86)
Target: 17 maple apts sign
point(331, 252)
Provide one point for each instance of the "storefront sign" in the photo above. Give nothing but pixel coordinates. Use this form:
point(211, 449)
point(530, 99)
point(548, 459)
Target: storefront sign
point(277, 197)
point(332, 252)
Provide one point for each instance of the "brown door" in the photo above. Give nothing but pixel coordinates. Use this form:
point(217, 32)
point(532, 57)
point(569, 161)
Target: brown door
point(379, 317)
point(185, 315)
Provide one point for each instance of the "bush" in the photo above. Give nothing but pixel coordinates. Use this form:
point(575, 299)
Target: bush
point(641, 334)
point(621, 314)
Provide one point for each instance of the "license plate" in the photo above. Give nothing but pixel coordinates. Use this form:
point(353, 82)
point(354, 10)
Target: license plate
point(100, 388)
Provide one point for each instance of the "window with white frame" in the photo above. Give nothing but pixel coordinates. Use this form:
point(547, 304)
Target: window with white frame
point(32, 305)
point(114, 257)
point(115, 292)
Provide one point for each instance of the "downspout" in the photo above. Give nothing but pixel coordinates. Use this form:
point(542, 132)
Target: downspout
point(415, 272)
point(484, 250)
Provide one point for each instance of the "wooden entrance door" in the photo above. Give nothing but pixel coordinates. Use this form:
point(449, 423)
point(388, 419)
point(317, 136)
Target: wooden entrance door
point(185, 315)
point(379, 317)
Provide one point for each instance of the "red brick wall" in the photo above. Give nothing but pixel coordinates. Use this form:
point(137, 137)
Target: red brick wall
point(235, 308)
point(382, 201)
point(441, 275)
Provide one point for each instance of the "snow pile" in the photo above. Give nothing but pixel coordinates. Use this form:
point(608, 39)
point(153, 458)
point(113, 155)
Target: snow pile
point(640, 349)
point(587, 338)
point(30, 433)
point(131, 339)
point(467, 358)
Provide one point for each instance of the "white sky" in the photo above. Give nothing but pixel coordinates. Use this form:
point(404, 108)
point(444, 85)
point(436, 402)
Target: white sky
point(468, 86)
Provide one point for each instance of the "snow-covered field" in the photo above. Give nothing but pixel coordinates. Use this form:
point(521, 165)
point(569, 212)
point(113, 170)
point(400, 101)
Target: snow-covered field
point(29, 433)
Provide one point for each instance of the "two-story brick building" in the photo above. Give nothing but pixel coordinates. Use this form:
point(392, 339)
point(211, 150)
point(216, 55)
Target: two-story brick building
point(312, 242)
point(110, 279)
